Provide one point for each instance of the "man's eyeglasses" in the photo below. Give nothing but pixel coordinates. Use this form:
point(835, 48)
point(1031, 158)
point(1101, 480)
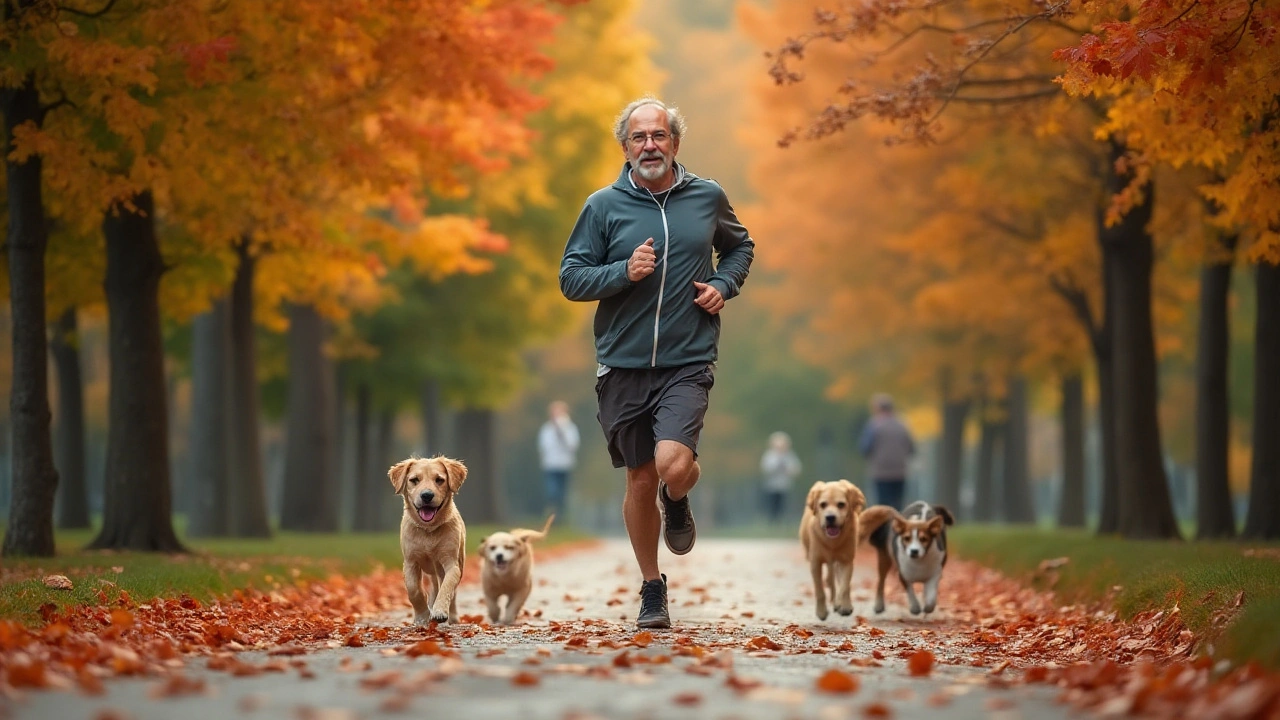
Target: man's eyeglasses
point(641, 139)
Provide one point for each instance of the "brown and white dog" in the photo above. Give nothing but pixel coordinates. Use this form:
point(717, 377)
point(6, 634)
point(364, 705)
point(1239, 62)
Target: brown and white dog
point(433, 536)
point(915, 542)
point(506, 569)
point(829, 534)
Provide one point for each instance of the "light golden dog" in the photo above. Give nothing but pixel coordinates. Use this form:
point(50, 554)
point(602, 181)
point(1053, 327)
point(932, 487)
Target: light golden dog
point(506, 568)
point(829, 534)
point(433, 536)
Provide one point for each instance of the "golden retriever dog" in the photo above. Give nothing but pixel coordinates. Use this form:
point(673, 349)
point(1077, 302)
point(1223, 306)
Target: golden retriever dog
point(506, 568)
point(829, 534)
point(433, 537)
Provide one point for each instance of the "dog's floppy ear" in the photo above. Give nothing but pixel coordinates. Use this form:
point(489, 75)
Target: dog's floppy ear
point(945, 514)
point(457, 473)
point(811, 500)
point(484, 545)
point(857, 501)
point(935, 523)
point(398, 473)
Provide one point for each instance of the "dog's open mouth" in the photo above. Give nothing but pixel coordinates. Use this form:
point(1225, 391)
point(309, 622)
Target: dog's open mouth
point(501, 563)
point(832, 530)
point(427, 514)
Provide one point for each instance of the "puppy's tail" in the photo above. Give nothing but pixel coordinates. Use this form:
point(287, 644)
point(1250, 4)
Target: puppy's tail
point(873, 518)
point(530, 535)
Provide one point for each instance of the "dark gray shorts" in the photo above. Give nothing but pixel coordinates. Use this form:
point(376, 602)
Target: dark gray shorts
point(640, 407)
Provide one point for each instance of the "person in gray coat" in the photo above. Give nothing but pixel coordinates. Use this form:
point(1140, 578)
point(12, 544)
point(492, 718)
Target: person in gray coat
point(887, 444)
point(642, 248)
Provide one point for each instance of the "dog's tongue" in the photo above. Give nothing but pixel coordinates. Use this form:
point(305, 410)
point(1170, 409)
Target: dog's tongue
point(832, 531)
point(427, 514)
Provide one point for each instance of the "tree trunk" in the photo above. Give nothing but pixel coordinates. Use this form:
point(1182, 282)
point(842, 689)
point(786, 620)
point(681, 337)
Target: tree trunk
point(310, 479)
point(1071, 502)
point(208, 482)
point(1263, 520)
point(138, 513)
point(431, 444)
point(1018, 504)
point(34, 476)
point(384, 458)
point(1215, 517)
point(1146, 510)
point(73, 496)
point(985, 502)
point(371, 487)
point(1109, 497)
point(951, 455)
point(248, 488)
point(480, 499)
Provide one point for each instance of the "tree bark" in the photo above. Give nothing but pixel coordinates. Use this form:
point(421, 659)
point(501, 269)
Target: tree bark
point(1071, 502)
point(480, 499)
point(1146, 509)
point(1018, 504)
point(208, 474)
point(384, 458)
point(370, 486)
point(34, 477)
point(985, 503)
point(951, 455)
point(431, 444)
point(248, 488)
point(1263, 520)
point(73, 496)
point(310, 479)
point(1215, 517)
point(138, 513)
point(1109, 497)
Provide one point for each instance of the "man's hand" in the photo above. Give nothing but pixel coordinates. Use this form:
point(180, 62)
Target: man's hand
point(708, 297)
point(642, 262)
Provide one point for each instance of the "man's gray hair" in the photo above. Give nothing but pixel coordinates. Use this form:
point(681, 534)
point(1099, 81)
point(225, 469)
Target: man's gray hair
point(674, 119)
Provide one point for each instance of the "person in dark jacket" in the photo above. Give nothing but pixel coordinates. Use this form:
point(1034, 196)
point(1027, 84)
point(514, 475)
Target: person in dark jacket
point(642, 248)
point(888, 446)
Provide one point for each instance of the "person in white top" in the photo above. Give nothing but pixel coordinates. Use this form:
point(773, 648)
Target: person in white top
point(558, 449)
point(780, 467)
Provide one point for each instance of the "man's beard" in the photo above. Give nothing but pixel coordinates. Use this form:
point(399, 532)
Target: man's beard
point(652, 172)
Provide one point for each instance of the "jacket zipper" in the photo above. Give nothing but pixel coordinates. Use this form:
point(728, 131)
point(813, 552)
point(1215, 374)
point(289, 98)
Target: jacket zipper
point(662, 283)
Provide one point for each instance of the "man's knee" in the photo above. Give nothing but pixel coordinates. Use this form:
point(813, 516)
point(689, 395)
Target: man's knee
point(643, 479)
point(675, 461)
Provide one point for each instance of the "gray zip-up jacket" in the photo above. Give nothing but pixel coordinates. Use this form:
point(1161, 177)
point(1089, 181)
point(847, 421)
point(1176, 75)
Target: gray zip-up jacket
point(655, 322)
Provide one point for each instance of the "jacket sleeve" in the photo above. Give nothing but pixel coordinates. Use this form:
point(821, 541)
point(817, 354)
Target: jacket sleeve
point(734, 251)
point(584, 274)
point(867, 442)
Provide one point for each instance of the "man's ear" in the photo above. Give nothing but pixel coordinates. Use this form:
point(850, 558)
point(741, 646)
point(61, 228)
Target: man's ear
point(398, 473)
point(811, 500)
point(457, 473)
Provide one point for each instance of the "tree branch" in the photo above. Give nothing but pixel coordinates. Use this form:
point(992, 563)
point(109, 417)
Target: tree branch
point(97, 14)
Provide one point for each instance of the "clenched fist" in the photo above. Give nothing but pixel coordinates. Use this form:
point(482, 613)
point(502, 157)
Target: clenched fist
point(642, 262)
point(708, 297)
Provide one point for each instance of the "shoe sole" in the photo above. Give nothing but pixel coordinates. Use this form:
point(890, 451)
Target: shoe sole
point(654, 624)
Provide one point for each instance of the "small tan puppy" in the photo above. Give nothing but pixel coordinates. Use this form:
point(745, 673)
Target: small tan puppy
point(829, 534)
point(433, 537)
point(506, 568)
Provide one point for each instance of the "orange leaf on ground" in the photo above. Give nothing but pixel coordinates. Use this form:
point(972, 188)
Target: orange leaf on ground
point(525, 679)
point(920, 663)
point(27, 674)
point(741, 684)
point(642, 639)
point(762, 643)
point(353, 640)
point(57, 582)
point(878, 710)
point(837, 681)
point(687, 698)
point(177, 686)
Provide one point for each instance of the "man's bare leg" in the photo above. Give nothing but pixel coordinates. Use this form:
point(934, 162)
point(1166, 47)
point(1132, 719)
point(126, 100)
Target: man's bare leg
point(677, 468)
point(640, 515)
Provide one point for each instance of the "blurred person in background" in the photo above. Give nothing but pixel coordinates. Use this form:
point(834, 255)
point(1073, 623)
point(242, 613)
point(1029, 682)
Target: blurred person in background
point(888, 446)
point(558, 450)
point(780, 468)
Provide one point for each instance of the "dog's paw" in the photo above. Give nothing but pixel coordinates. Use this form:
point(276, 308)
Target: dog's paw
point(915, 608)
point(879, 608)
point(845, 610)
point(423, 619)
point(439, 616)
point(822, 612)
point(930, 608)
